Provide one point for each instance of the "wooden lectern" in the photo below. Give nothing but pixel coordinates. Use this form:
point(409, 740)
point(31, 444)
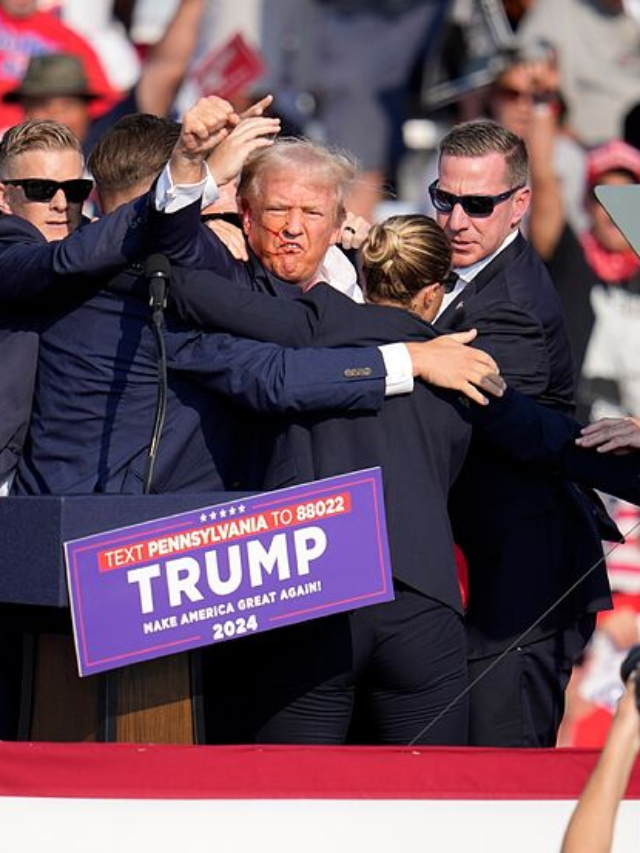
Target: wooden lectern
point(155, 702)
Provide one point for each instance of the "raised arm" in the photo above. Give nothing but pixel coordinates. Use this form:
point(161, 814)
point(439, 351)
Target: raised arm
point(30, 267)
point(167, 62)
point(592, 824)
point(547, 214)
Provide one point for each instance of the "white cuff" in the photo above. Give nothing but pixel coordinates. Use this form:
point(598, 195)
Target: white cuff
point(170, 197)
point(399, 367)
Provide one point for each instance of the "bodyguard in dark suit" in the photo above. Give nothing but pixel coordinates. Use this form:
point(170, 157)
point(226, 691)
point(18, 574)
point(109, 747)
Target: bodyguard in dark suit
point(529, 538)
point(45, 254)
point(43, 251)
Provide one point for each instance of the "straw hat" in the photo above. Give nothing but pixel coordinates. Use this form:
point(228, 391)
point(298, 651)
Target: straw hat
point(52, 75)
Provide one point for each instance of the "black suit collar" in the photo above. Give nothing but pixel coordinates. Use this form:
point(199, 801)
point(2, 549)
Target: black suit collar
point(453, 313)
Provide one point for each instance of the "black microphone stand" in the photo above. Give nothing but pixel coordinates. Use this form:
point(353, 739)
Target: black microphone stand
point(158, 274)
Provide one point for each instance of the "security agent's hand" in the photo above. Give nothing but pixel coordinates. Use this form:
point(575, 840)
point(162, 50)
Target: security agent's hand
point(448, 362)
point(206, 124)
point(617, 435)
point(226, 160)
point(231, 236)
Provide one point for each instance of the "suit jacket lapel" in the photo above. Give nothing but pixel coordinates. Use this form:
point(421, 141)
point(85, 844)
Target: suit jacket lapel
point(499, 263)
point(454, 316)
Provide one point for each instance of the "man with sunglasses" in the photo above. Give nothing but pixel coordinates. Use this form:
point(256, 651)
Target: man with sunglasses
point(42, 188)
point(529, 538)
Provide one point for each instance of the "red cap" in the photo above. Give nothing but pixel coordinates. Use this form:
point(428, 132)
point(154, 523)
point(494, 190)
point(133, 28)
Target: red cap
point(615, 156)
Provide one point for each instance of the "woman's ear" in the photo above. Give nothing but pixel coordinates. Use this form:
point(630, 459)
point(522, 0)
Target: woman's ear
point(427, 301)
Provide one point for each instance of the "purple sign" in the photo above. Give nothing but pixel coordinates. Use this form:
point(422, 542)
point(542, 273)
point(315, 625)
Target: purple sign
point(228, 570)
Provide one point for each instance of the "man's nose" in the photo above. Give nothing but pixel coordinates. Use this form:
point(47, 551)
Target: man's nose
point(458, 219)
point(293, 225)
point(59, 201)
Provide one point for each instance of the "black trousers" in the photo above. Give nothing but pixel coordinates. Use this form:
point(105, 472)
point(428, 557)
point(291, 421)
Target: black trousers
point(10, 675)
point(520, 701)
point(403, 660)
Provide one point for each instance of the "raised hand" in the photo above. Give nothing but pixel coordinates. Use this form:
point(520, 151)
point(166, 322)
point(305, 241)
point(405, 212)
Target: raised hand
point(226, 160)
point(204, 126)
point(353, 232)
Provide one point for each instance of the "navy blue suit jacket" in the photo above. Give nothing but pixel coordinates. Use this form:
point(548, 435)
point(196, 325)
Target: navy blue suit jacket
point(96, 391)
point(37, 277)
point(531, 536)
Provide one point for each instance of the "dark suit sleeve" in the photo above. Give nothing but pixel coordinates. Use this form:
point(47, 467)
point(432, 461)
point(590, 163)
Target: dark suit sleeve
point(212, 301)
point(183, 238)
point(269, 378)
point(515, 338)
point(322, 317)
point(30, 267)
point(537, 435)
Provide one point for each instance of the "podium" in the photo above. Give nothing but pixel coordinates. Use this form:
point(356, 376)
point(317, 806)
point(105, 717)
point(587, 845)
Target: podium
point(158, 701)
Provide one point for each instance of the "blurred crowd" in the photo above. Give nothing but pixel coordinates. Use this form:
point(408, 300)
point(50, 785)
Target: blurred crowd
point(386, 79)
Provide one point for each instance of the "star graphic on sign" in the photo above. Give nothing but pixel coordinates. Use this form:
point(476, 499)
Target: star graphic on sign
point(213, 515)
point(223, 513)
point(203, 517)
point(241, 508)
point(232, 510)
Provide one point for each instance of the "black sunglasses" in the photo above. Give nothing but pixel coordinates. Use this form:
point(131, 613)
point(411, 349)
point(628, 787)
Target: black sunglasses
point(477, 206)
point(41, 189)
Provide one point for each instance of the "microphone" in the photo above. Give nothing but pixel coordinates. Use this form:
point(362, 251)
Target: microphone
point(157, 271)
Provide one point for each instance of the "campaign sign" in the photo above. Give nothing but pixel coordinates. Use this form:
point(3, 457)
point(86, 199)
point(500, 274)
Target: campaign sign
point(228, 570)
point(228, 69)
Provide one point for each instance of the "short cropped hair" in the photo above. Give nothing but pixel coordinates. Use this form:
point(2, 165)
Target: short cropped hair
point(403, 254)
point(134, 150)
point(330, 167)
point(481, 137)
point(35, 135)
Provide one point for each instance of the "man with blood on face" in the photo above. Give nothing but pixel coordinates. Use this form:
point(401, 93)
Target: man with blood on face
point(292, 208)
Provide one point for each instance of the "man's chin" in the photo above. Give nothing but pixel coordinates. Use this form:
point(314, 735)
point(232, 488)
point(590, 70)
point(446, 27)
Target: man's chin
point(293, 273)
point(57, 232)
point(464, 257)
